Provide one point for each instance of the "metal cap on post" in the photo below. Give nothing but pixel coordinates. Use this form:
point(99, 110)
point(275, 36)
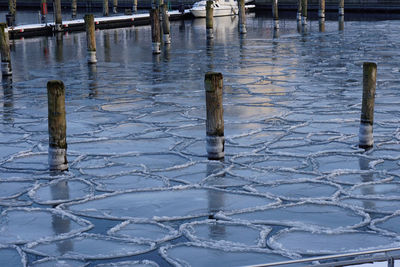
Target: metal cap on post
point(213, 85)
point(368, 101)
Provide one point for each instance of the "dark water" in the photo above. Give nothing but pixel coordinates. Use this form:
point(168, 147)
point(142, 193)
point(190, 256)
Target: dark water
point(139, 181)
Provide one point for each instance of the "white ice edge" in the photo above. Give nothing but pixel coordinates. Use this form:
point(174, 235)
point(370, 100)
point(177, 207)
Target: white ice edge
point(32, 192)
point(24, 259)
point(84, 224)
point(49, 259)
point(30, 247)
point(125, 263)
point(373, 224)
point(15, 195)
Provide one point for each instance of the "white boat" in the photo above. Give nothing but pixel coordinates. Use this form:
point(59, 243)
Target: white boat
point(221, 8)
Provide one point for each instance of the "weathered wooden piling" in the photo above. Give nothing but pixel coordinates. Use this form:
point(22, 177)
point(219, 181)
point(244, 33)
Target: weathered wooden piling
point(115, 6)
point(242, 17)
point(57, 126)
point(57, 16)
point(299, 5)
point(105, 8)
point(341, 23)
point(321, 24)
point(12, 10)
point(74, 8)
point(275, 13)
point(341, 7)
point(209, 19)
point(366, 139)
point(6, 69)
point(321, 10)
point(155, 31)
point(91, 38)
point(134, 7)
point(213, 84)
point(303, 12)
point(43, 11)
point(165, 24)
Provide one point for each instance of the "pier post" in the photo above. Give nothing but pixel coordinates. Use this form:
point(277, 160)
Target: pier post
point(304, 12)
point(242, 17)
point(57, 126)
point(105, 8)
point(275, 13)
point(209, 19)
point(341, 23)
point(12, 10)
point(6, 69)
point(43, 11)
point(74, 8)
point(115, 6)
point(366, 139)
point(341, 7)
point(134, 8)
point(299, 5)
point(213, 84)
point(321, 10)
point(155, 31)
point(91, 38)
point(57, 15)
point(321, 24)
point(165, 24)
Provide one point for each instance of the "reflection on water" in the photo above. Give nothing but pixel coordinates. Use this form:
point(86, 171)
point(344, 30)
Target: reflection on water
point(92, 69)
point(59, 47)
point(365, 178)
point(8, 103)
point(341, 23)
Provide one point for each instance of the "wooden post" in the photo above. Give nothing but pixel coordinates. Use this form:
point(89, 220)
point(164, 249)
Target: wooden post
point(57, 126)
point(6, 69)
point(368, 101)
point(115, 5)
point(242, 17)
point(74, 8)
point(275, 13)
point(165, 24)
point(341, 7)
point(57, 15)
point(105, 8)
point(304, 12)
point(213, 84)
point(43, 11)
point(322, 24)
point(299, 5)
point(321, 11)
point(91, 38)
point(209, 19)
point(12, 9)
point(155, 31)
point(134, 8)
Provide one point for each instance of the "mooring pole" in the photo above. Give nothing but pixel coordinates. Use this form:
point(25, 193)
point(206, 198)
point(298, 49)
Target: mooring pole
point(6, 69)
point(91, 38)
point(299, 5)
point(304, 12)
point(275, 13)
point(321, 24)
point(105, 8)
point(57, 15)
point(115, 6)
point(209, 19)
point(155, 31)
point(165, 24)
point(57, 126)
point(321, 10)
point(242, 17)
point(134, 8)
point(12, 10)
point(368, 101)
point(341, 7)
point(213, 84)
point(43, 11)
point(74, 8)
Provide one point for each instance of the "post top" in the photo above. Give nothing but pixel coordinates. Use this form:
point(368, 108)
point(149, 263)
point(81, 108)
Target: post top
point(55, 83)
point(211, 74)
point(369, 64)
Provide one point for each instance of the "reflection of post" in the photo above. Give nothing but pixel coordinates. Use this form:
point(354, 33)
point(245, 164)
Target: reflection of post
point(6, 69)
point(242, 17)
point(57, 126)
point(321, 11)
point(367, 177)
point(210, 54)
point(213, 83)
point(92, 80)
point(322, 24)
point(209, 19)
point(107, 46)
point(155, 31)
point(165, 24)
point(341, 23)
point(61, 225)
point(90, 38)
point(368, 101)
point(275, 13)
point(59, 47)
point(275, 33)
point(8, 104)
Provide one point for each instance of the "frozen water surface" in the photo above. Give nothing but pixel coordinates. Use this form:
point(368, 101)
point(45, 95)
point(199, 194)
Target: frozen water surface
point(143, 263)
point(136, 129)
point(12, 256)
point(50, 262)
